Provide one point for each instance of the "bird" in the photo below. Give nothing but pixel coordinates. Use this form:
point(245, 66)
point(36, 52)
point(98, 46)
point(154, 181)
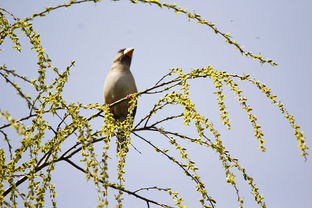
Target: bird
point(119, 83)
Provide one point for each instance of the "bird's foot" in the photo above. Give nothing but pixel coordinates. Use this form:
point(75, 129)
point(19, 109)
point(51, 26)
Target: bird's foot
point(129, 97)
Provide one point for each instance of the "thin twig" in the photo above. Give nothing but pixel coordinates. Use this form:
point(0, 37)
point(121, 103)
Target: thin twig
point(187, 173)
point(111, 185)
point(6, 138)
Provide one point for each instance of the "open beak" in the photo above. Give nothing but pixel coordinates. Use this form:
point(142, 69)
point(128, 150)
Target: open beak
point(128, 52)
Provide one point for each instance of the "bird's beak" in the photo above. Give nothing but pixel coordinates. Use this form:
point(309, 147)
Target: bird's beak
point(128, 52)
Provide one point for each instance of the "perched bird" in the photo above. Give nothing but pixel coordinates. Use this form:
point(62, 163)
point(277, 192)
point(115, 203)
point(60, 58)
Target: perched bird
point(118, 84)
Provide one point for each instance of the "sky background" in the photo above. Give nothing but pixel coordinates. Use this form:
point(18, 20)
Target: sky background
point(91, 34)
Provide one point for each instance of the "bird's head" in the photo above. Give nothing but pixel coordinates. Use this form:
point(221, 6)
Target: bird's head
point(124, 56)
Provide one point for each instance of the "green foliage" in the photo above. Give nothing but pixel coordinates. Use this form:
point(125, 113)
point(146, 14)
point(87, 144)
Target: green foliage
point(41, 139)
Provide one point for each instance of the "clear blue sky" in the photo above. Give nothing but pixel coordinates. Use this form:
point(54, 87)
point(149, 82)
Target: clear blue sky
point(91, 34)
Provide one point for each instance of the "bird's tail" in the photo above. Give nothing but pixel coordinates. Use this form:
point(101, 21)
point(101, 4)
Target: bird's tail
point(122, 143)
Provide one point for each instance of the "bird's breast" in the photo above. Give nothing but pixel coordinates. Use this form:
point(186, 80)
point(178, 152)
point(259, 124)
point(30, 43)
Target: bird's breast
point(118, 85)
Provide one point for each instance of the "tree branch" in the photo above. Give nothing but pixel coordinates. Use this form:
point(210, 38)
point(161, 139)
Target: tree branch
point(111, 185)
